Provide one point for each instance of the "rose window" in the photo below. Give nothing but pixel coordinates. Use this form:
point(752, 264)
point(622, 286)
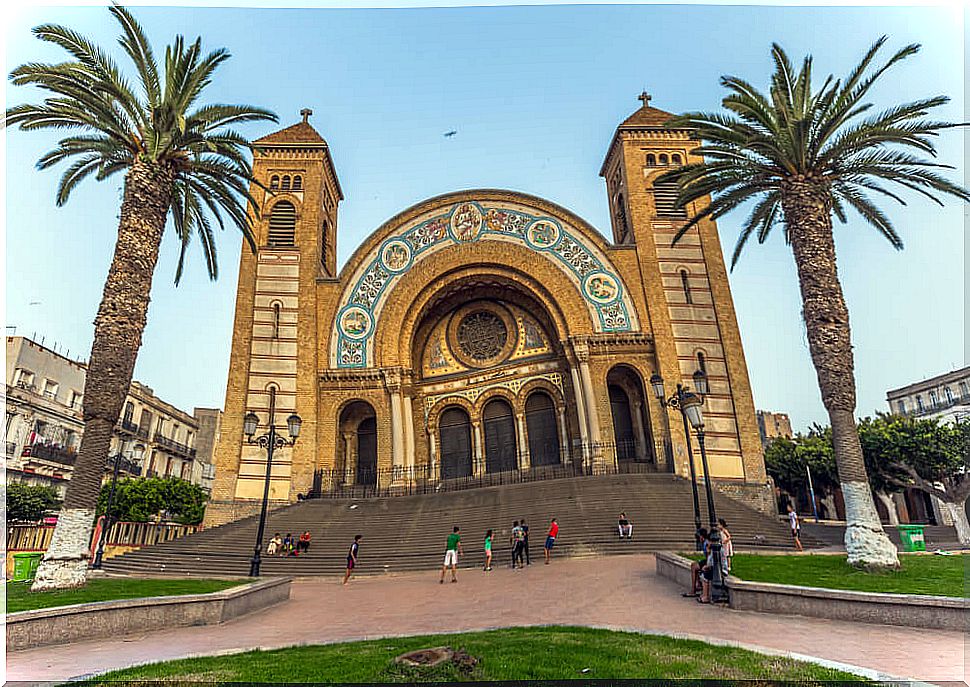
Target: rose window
point(482, 335)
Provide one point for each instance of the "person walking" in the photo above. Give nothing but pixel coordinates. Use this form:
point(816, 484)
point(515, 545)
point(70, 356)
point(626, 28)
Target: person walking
point(525, 541)
point(796, 528)
point(488, 551)
point(551, 539)
point(452, 552)
point(352, 557)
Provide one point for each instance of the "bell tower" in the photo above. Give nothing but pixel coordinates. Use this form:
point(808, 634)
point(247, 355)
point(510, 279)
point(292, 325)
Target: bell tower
point(273, 361)
point(686, 289)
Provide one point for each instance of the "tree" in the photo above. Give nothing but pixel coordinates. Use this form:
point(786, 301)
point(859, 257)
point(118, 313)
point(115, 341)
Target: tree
point(181, 160)
point(802, 155)
point(26, 503)
point(139, 500)
point(923, 454)
point(787, 461)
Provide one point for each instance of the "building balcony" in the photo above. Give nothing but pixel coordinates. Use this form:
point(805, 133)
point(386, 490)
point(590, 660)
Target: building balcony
point(11, 448)
point(52, 454)
point(127, 467)
point(127, 426)
point(174, 446)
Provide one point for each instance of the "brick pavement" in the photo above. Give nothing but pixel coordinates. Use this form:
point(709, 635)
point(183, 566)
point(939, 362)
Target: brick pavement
point(617, 592)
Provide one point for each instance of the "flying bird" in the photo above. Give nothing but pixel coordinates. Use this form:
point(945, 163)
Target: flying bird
point(451, 133)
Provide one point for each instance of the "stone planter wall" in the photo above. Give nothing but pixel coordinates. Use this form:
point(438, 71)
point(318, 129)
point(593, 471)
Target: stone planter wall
point(63, 624)
point(909, 610)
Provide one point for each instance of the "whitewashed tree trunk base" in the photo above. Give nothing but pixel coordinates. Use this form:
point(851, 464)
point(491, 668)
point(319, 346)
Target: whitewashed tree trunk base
point(65, 564)
point(958, 513)
point(866, 542)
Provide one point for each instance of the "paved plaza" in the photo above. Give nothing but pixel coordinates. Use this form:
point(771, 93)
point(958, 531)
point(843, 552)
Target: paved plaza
point(620, 592)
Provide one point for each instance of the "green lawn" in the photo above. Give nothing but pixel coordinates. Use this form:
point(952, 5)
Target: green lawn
point(919, 574)
point(20, 598)
point(541, 653)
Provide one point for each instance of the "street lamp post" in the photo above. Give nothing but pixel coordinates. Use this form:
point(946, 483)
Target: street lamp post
point(677, 401)
point(137, 451)
point(270, 441)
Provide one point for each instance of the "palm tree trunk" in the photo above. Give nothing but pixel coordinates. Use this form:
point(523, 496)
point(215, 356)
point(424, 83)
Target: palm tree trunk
point(808, 217)
point(117, 337)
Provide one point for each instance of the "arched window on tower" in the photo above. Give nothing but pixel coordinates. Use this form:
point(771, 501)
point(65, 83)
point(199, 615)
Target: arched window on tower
point(276, 319)
point(282, 224)
point(675, 159)
point(622, 225)
point(297, 183)
point(286, 182)
point(324, 232)
point(274, 182)
point(651, 160)
point(701, 363)
point(663, 160)
point(685, 283)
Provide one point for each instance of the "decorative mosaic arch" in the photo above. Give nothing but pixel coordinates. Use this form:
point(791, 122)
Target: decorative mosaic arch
point(606, 297)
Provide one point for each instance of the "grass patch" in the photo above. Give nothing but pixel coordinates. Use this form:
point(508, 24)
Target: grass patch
point(918, 574)
point(20, 598)
point(538, 653)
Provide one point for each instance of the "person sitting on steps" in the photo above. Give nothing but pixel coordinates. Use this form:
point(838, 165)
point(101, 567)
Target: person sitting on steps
point(625, 526)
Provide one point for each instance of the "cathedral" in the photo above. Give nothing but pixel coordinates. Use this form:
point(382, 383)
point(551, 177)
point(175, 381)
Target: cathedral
point(480, 333)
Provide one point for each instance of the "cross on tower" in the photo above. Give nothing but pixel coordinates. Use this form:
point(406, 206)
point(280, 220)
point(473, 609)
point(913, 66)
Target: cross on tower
point(645, 98)
point(306, 112)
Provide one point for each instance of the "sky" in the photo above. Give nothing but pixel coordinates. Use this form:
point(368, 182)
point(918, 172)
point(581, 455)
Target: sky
point(535, 94)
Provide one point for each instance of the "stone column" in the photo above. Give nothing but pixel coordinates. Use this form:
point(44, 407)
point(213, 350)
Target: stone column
point(432, 456)
point(350, 458)
point(589, 400)
point(638, 428)
point(580, 413)
point(392, 381)
point(563, 436)
point(478, 456)
point(408, 435)
point(525, 460)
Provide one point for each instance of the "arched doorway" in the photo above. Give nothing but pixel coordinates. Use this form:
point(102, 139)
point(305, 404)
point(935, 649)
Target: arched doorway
point(500, 445)
point(631, 419)
point(454, 428)
point(540, 423)
point(367, 451)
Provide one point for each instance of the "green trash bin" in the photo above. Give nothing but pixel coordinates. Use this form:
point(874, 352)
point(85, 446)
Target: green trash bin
point(912, 537)
point(25, 565)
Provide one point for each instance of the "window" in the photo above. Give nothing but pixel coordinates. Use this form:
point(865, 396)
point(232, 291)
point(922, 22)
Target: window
point(651, 160)
point(701, 363)
point(25, 379)
point(286, 182)
point(685, 283)
point(282, 224)
point(949, 394)
point(188, 439)
point(964, 391)
point(274, 183)
point(276, 320)
point(325, 230)
point(175, 433)
point(129, 411)
point(50, 389)
point(159, 425)
point(663, 160)
point(902, 406)
point(919, 404)
point(675, 159)
point(184, 470)
point(665, 200)
point(934, 398)
point(297, 183)
point(76, 398)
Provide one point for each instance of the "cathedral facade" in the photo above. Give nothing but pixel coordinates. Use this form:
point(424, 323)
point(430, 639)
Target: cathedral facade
point(480, 333)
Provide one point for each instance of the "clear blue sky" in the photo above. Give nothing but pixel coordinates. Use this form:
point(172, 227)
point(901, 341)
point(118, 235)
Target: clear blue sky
point(535, 94)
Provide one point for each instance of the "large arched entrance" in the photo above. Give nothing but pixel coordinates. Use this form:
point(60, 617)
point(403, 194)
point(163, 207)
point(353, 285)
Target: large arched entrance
point(500, 444)
point(540, 422)
point(456, 443)
point(631, 424)
point(356, 458)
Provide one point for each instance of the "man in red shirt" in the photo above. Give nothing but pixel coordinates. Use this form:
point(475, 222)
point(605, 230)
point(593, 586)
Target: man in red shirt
point(551, 538)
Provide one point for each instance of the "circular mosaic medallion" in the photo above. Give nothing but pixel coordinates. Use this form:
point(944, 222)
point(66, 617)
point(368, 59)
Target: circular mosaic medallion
point(542, 234)
point(481, 334)
point(355, 322)
point(396, 256)
point(601, 288)
point(466, 222)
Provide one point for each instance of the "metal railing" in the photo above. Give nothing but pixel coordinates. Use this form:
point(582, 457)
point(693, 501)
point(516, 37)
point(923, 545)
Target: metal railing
point(38, 537)
point(578, 460)
point(128, 425)
point(53, 454)
point(176, 446)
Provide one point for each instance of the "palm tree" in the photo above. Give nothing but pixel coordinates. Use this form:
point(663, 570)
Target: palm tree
point(802, 155)
point(179, 159)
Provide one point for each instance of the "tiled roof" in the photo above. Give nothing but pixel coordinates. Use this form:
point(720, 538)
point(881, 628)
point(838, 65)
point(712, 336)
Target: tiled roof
point(647, 116)
point(298, 133)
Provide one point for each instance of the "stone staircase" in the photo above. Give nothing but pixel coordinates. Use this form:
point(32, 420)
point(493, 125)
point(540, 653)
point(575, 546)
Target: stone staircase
point(408, 532)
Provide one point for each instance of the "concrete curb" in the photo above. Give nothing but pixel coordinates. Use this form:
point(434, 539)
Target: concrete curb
point(63, 624)
point(908, 610)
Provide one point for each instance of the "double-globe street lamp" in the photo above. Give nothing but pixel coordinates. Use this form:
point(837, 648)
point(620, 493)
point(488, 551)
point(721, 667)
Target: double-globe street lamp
point(137, 451)
point(690, 402)
point(270, 441)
